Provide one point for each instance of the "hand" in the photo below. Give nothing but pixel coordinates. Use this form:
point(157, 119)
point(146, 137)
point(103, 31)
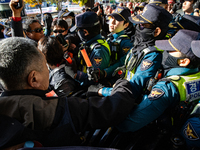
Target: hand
point(71, 69)
point(93, 90)
point(196, 5)
point(120, 72)
point(95, 74)
point(16, 12)
point(47, 20)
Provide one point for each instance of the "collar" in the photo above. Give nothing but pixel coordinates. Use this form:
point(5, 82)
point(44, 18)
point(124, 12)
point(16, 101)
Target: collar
point(94, 39)
point(181, 71)
point(40, 93)
point(116, 35)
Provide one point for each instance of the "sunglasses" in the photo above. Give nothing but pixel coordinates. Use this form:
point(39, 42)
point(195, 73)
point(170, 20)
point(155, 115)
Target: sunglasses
point(59, 31)
point(38, 30)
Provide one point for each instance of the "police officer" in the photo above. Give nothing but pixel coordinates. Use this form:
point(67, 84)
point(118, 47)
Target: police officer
point(188, 22)
point(119, 43)
point(191, 129)
point(144, 60)
point(96, 46)
point(180, 82)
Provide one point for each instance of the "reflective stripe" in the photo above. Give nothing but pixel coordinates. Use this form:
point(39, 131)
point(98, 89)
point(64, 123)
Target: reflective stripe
point(182, 83)
point(104, 43)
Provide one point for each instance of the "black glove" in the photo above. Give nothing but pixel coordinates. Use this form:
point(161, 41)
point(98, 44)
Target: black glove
point(71, 69)
point(196, 5)
point(93, 90)
point(119, 72)
point(176, 7)
point(47, 20)
point(95, 74)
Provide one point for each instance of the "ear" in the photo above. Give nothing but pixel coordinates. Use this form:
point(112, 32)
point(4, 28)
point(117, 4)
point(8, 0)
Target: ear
point(33, 79)
point(184, 62)
point(157, 31)
point(86, 32)
point(28, 34)
point(126, 25)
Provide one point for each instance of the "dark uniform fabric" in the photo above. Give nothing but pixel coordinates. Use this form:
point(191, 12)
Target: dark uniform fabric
point(58, 119)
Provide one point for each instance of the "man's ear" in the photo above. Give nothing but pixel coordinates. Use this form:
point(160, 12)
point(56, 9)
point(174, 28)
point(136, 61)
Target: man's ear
point(28, 34)
point(184, 62)
point(33, 79)
point(86, 32)
point(157, 31)
point(126, 25)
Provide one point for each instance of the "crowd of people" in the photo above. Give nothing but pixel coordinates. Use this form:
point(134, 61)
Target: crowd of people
point(123, 68)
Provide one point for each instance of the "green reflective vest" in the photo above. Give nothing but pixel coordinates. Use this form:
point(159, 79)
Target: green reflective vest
point(188, 86)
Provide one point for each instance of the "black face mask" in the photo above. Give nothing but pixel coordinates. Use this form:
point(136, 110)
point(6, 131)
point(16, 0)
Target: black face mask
point(169, 61)
point(81, 35)
point(144, 34)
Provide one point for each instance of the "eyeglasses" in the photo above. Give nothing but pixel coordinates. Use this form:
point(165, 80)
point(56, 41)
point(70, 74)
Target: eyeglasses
point(37, 30)
point(59, 31)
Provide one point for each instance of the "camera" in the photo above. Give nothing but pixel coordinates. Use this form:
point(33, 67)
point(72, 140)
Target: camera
point(95, 9)
point(62, 40)
point(19, 4)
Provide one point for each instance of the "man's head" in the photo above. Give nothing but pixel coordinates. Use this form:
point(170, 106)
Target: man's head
point(33, 29)
point(66, 15)
point(88, 25)
point(155, 18)
point(140, 8)
point(22, 65)
point(60, 26)
point(52, 50)
point(187, 6)
point(179, 50)
point(170, 4)
point(119, 19)
point(129, 5)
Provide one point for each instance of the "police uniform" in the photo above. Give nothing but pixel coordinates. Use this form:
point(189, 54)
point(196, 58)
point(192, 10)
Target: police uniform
point(98, 48)
point(143, 64)
point(120, 44)
point(179, 84)
point(191, 129)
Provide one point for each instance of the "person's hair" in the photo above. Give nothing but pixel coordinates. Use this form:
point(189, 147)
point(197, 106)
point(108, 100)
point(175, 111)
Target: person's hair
point(18, 57)
point(26, 25)
point(194, 1)
point(93, 31)
point(52, 50)
point(60, 22)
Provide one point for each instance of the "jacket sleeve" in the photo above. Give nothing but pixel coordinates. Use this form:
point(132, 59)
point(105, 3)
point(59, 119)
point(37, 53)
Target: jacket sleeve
point(99, 112)
point(162, 96)
point(16, 28)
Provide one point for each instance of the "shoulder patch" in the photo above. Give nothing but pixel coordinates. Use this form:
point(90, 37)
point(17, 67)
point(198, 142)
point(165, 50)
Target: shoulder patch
point(97, 61)
point(189, 132)
point(155, 94)
point(193, 89)
point(146, 64)
point(125, 49)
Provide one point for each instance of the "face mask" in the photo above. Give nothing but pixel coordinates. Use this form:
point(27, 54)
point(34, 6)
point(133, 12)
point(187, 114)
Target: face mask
point(69, 22)
point(144, 34)
point(82, 36)
point(169, 61)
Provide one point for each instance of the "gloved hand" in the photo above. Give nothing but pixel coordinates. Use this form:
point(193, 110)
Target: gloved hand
point(95, 74)
point(196, 5)
point(47, 20)
point(120, 72)
point(176, 7)
point(71, 68)
point(93, 90)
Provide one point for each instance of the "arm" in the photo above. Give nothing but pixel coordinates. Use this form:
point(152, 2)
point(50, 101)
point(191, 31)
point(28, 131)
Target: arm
point(162, 96)
point(98, 112)
point(16, 23)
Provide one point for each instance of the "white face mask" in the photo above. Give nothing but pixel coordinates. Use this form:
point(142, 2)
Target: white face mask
point(69, 22)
